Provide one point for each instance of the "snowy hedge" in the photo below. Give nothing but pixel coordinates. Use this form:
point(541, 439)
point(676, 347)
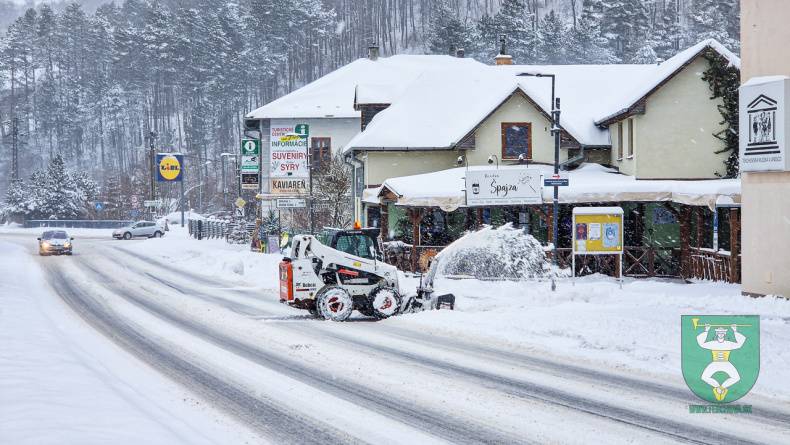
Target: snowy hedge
point(501, 253)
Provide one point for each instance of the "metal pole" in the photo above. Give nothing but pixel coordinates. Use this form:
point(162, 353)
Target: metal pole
point(182, 197)
point(224, 185)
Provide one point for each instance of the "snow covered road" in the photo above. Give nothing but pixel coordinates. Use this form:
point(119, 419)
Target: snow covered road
point(269, 374)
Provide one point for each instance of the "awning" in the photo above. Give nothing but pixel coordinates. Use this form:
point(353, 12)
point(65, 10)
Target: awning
point(590, 183)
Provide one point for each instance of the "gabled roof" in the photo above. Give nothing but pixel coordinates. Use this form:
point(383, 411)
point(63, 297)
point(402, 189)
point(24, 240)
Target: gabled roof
point(629, 98)
point(436, 101)
point(333, 94)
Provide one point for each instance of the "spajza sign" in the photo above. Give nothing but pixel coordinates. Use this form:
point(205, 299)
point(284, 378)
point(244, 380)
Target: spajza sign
point(503, 187)
point(762, 124)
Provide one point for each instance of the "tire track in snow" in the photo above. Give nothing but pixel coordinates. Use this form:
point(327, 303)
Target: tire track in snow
point(268, 419)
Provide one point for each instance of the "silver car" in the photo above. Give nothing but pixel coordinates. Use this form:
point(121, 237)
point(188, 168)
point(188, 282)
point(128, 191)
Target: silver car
point(55, 242)
point(147, 229)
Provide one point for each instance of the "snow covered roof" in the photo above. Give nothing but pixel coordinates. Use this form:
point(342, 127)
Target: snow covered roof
point(333, 94)
point(436, 101)
point(634, 94)
point(443, 105)
point(590, 183)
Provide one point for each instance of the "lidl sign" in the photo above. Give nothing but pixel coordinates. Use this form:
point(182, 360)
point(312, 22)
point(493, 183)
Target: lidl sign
point(169, 167)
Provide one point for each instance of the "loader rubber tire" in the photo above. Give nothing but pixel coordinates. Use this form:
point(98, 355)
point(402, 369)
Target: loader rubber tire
point(334, 303)
point(384, 302)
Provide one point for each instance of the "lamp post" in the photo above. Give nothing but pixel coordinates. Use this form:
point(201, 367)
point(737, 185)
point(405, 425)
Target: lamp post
point(224, 185)
point(555, 130)
point(200, 188)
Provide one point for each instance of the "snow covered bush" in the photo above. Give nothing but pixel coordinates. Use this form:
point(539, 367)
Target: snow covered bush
point(501, 253)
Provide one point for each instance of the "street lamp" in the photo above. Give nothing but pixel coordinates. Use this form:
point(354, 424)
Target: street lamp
point(200, 188)
point(224, 185)
point(555, 130)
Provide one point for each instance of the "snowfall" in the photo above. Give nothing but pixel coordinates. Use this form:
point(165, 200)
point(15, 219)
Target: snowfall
point(62, 382)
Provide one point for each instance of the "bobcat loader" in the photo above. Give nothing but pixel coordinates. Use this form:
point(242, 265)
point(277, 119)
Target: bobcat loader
point(333, 282)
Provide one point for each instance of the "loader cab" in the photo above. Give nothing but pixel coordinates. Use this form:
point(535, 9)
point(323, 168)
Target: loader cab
point(356, 242)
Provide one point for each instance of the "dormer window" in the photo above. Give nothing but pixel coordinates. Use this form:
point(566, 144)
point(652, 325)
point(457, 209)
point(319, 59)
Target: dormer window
point(516, 140)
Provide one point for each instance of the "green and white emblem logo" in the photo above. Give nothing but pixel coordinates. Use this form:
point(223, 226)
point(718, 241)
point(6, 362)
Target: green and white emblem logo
point(720, 355)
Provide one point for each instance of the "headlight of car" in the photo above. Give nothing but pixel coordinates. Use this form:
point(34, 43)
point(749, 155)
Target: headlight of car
point(66, 245)
point(45, 245)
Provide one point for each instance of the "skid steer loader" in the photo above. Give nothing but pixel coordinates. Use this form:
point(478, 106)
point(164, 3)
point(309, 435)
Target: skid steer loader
point(333, 282)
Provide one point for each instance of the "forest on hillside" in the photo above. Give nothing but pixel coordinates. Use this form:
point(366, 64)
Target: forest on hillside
point(92, 87)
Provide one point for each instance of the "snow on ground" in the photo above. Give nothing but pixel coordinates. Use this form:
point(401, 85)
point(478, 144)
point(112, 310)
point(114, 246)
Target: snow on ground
point(59, 380)
point(47, 359)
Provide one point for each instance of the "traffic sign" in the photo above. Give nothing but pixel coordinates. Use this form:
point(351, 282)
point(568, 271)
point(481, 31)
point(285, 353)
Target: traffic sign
point(154, 203)
point(135, 199)
point(240, 202)
point(558, 180)
point(99, 205)
point(133, 212)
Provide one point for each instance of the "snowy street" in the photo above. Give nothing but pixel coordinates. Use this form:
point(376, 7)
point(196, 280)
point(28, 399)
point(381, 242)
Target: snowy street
point(174, 340)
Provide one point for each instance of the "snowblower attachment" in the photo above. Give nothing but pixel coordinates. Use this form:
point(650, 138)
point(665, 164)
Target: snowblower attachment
point(425, 299)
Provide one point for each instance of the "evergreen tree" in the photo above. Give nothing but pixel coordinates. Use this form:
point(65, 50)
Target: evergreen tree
point(552, 41)
point(448, 34)
point(715, 19)
point(585, 42)
point(515, 21)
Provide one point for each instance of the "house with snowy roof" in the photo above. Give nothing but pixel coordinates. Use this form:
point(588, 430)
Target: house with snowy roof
point(637, 135)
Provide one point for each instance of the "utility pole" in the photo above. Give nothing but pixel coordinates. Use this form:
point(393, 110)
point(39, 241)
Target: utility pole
point(13, 124)
point(151, 137)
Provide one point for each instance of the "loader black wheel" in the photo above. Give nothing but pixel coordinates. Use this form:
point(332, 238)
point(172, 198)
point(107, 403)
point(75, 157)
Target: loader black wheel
point(334, 303)
point(384, 302)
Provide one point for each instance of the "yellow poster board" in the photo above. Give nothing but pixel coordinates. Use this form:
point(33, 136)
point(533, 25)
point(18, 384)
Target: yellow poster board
point(597, 230)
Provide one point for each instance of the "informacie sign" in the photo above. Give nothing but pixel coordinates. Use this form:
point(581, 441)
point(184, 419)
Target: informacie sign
point(597, 230)
point(763, 129)
point(169, 167)
point(288, 152)
point(503, 187)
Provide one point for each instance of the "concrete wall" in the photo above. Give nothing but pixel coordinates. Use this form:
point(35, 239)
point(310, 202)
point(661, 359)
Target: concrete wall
point(674, 138)
point(765, 211)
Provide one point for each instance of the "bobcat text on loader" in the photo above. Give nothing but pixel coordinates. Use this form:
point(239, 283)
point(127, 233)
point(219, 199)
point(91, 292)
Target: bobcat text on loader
point(332, 282)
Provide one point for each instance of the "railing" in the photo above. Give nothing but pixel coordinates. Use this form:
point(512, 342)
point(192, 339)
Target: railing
point(706, 264)
point(75, 224)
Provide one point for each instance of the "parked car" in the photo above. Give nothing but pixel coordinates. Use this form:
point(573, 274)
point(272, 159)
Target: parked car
point(223, 214)
point(148, 229)
point(55, 242)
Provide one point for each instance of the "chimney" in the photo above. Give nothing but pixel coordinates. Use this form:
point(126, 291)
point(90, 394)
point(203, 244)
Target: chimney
point(373, 51)
point(460, 53)
point(502, 58)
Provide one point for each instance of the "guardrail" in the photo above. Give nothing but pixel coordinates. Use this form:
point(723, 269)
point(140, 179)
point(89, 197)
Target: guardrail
point(75, 224)
point(218, 229)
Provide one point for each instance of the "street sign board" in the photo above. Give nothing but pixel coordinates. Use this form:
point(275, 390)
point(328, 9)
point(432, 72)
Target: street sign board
point(250, 181)
point(290, 186)
point(99, 205)
point(503, 187)
point(250, 147)
point(250, 164)
point(240, 202)
point(291, 203)
point(288, 156)
point(558, 180)
point(135, 199)
point(153, 203)
point(133, 212)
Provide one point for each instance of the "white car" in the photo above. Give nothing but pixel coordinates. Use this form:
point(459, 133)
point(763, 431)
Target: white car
point(148, 229)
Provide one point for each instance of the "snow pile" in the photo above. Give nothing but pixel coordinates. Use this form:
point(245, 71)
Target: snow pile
point(504, 252)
